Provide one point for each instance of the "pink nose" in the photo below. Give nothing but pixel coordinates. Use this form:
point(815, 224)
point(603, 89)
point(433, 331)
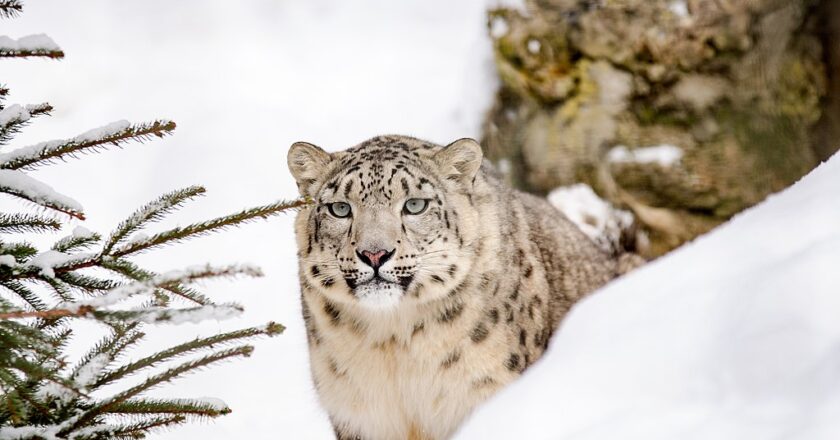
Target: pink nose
point(373, 257)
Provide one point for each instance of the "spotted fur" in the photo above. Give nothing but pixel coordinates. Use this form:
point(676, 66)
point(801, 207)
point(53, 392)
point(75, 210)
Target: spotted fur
point(476, 285)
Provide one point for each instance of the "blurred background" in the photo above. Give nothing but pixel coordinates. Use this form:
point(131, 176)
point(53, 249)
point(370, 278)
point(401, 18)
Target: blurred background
point(681, 113)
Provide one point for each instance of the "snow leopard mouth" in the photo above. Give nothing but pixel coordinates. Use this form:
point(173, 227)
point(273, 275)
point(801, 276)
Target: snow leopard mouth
point(377, 281)
point(378, 293)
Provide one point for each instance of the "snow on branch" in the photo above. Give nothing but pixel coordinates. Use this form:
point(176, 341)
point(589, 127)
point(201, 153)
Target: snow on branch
point(157, 315)
point(134, 272)
point(97, 307)
point(107, 405)
point(198, 229)
point(18, 184)
point(203, 406)
point(173, 277)
point(198, 344)
point(10, 223)
point(13, 117)
point(38, 45)
point(151, 212)
point(114, 133)
point(10, 8)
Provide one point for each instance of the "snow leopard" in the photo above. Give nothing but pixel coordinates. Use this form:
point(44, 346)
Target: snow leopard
point(427, 283)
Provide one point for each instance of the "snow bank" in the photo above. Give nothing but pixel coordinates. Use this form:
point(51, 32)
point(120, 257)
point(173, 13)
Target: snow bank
point(733, 336)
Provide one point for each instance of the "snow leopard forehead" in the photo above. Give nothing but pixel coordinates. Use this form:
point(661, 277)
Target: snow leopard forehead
point(380, 168)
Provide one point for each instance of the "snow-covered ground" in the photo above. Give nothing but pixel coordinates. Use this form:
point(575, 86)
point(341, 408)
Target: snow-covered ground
point(734, 336)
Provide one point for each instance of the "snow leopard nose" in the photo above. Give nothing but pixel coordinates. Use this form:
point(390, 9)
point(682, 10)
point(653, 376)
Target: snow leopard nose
point(375, 259)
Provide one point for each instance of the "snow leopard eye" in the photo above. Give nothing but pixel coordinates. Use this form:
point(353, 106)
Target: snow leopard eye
point(339, 209)
point(415, 206)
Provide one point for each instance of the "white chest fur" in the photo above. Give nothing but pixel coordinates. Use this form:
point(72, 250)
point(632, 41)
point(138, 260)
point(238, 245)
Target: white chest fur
point(405, 380)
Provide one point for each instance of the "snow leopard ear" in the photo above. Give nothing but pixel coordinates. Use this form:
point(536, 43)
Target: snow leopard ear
point(307, 163)
point(460, 161)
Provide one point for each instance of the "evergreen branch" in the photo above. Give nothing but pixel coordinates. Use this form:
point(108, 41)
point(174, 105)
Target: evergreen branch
point(29, 46)
point(153, 381)
point(29, 368)
point(18, 184)
point(115, 133)
point(138, 430)
point(93, 308)
point(11, 405)
point(35, 341)
point(10, 223)
point(10, 8)
point(46, 265)
point(151, 212)
point(25, 294)
point(87, 283)
point(48, 314)
point(76, 242)
point(121, 337)
point(203, 228)
point(14, 117)
point(156, 315)
point(20, 250)
point(61, 290)
point(162, 281)
point(134, 272)
point(26, 53)
point(271, 329)
point(171, 406)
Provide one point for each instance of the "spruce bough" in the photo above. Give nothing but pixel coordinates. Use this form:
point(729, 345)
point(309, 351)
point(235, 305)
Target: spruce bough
point(87, 276)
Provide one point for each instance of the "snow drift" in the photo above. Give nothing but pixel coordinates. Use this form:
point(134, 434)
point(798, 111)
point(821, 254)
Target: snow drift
point(734, 336)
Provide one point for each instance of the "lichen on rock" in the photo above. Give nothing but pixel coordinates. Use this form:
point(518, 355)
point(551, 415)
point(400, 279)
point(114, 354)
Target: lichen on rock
point(735, 86)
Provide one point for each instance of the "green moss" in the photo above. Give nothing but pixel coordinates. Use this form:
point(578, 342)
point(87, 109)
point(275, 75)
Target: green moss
point(771, 144)
point(799, 90)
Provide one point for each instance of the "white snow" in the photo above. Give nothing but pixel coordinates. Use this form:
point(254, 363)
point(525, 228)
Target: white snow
point(498, 27)
point(8, 260)
point(36, 190)
point(55, 390)
point(664, 155)
point(13, 113)
point(679, 8)
point(82, 232)
point(34, 151)
point(103, 132)
point(27, 432)
point(29, 42)
point(598, 219)
point(91, 370)
point(48, 261)
point(137, 238)
point(193, 315)
point(733, 336)
point(212, 402)
point(534, 46)
point(122, 293)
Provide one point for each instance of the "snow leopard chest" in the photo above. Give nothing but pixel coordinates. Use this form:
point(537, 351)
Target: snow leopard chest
point(420, 375)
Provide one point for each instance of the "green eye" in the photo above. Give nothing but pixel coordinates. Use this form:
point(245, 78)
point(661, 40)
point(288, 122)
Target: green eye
point(339, 209)
point(415, 206)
